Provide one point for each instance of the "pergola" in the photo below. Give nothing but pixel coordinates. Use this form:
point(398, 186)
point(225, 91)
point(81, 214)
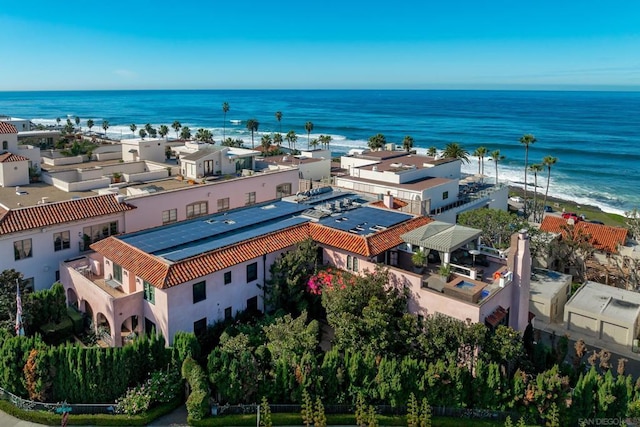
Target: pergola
point(442, 237)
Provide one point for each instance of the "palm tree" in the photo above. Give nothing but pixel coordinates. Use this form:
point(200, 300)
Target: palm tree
point(78, 122)
point(376, 142)
point(308, 127)
point(292, 138)
point(142, 133)
point(148, 128)
point(314, 143)
point(58, 121)
point(535, 168)
point(325, 140)
point(265, 142)
point(279, 119)
point(90, 124)
point(407, 143)
point(225, 110)
point(497, 157)
point(204, 135)
point(176, 126)
point(133, 128)
point(277, 139)
point(526, 140)
point(185, 133)
point(456, 151)
point(105, 126)
point(548, 161)
point(164, 130)
point(252, 126)
point(480, 153)
point(432, 151)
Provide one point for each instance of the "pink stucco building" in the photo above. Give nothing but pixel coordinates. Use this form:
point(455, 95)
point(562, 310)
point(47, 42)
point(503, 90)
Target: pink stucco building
point(183, 276)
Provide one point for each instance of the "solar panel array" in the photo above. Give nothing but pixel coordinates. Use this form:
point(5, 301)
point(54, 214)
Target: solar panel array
point(364, 220)
point(192, 231)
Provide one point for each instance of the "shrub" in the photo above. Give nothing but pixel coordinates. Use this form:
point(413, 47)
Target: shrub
point(161, 387)
point(198, 400)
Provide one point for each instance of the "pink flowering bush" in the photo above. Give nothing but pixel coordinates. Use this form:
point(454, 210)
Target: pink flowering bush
point(160, 387)
point(329, 279)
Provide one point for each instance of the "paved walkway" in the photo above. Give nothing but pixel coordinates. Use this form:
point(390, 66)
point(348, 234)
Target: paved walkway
point(7, 420)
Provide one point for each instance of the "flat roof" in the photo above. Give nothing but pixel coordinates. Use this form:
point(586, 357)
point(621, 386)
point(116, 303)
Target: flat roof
point(608, 301)
point(34, 194)
point(547, 283)
point(364, 220)
point(416, 185)
point(406, 162)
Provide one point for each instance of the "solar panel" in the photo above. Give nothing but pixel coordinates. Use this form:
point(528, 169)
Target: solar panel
point(364, 220)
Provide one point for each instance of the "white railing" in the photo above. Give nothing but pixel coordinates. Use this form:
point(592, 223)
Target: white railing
point(493, 252)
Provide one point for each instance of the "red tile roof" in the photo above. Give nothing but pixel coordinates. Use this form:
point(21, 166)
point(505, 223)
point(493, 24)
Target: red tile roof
point(10, 157)
point(164, 274)
point(48, 214)
point(397, 204)
point(603, 237)
point(6, 128)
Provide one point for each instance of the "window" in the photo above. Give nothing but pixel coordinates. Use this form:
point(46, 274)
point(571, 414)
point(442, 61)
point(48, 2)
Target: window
point(228, 313)
point(199, 292)
point(200, 326)
point(117, 272)
point(250, 198)
point(5, 145)
point(445, 195)
point(149, 292)
point(252, 272)
point(22, 249)
point(283, 190)
point(28, 284)
point(61, 241)
point(352, 263)
point(252, 304)
point(95, 233)
point(169, 216)
point(227, 277)
point(197, 209)
point(223, 204)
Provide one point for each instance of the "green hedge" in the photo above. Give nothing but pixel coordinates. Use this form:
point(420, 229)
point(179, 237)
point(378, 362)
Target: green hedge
point(57, 333)
point(76, 319)
point(51, 419)
point(198, 400)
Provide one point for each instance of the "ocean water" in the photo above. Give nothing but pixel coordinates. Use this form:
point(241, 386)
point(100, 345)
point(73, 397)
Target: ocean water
point(594, 135)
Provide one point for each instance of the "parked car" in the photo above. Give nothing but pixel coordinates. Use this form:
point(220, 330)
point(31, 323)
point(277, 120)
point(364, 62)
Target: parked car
point(571, 215)
point(596, 222)
point(516, 199)
point(548, 208)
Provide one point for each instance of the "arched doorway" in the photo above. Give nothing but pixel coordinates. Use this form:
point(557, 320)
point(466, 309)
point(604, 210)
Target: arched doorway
point(103, 329)
point(72, 299)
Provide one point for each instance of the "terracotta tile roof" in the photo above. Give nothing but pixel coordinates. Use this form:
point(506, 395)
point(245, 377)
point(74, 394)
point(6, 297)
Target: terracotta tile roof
point(164, 274)
point(48, 214)
point(365, 245)
point(603, 237)
point(151, 268)
point(10, 157)
point(6, 128)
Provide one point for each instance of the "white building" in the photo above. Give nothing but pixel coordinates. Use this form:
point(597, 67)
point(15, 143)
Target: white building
point(137, 149)
point(604, 312)
point(548, 294)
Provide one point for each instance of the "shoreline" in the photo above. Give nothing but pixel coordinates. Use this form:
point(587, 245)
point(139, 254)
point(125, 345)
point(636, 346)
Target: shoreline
point(591, 212)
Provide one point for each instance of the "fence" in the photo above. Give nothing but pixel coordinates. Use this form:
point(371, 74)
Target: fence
point(30, 405)
point(438, 411)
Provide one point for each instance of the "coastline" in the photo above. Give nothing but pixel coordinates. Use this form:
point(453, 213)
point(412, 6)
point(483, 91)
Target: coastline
point(591, 212)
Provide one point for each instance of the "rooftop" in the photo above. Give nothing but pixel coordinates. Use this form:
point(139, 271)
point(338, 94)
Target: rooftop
point(416, 185)
point(547, 283)
point(7, 128)
point(603, 237)
point(608, 301)
point(406, 162)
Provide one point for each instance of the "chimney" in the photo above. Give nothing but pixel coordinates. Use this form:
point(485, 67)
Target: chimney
point(388, 200)
point(520, 289)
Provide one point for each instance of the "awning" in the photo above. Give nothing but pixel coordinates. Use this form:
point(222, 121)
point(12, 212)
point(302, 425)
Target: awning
point(441, 236)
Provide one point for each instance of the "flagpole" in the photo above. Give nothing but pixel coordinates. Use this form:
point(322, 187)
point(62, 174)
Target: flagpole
point(19, 326)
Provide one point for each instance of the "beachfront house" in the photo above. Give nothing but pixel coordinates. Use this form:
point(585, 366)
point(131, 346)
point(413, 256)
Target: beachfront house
point(136, 149)
point(428, 186)
point(183, 276)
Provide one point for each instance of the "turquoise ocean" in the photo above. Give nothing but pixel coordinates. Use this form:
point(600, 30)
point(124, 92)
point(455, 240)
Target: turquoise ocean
point(594, 135)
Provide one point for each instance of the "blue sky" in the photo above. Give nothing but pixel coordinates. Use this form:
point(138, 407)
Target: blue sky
point(213, 44)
